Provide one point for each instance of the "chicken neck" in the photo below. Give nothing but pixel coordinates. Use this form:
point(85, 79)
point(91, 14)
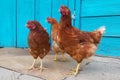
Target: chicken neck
point(65, 21)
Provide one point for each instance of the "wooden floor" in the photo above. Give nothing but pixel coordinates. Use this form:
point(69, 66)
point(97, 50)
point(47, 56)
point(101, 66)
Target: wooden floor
point(18, 60)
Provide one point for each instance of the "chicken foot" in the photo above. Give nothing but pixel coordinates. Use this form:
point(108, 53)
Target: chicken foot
point(75, 72)
point(32, 66)
point(55, 58)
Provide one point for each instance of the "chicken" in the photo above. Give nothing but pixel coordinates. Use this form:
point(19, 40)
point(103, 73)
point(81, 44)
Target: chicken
point(54, 33)
point(38, 42)
point(78, 44)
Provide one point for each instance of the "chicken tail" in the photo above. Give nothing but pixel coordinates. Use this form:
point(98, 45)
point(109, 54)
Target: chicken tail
point(102, 29)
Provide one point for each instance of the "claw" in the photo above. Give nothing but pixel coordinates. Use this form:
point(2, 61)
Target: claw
point(42, 68)
point(70, 73)
point(54, 59)
point(32, 67)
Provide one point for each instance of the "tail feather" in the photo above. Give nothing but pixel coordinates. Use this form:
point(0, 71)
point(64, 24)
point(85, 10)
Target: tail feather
point(102, 29)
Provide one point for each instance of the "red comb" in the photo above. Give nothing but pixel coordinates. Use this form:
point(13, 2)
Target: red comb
point(62, 6)
point(29, 22)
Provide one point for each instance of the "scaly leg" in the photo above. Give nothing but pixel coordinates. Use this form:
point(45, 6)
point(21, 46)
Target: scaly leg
point(32, 67)
point(63, 57)
point(55, 58)
point(76, 71)
point(41, 66)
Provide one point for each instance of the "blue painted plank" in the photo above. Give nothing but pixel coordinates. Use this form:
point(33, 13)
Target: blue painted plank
point(71, 6)
point(109, 47)
point(25, 12)
point(7, 23)
point(78, 14)
point(55, 8)
point(112, 24)
point(74, 6)
point(43, 10)
point(100, 7)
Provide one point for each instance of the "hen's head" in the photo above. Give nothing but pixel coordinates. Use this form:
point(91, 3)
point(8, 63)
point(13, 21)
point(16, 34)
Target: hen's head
point(32, 25)
point(51, 20)
point(64, 10)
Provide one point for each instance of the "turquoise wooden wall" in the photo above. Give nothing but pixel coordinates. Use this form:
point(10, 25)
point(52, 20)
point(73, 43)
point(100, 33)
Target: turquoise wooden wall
point(95, 13)
point(88, 15)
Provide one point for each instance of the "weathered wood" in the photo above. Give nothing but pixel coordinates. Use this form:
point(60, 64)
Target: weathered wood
point(25, 12)
point(112, 25)
point(8, 23)
point(100, 7)
point(109, 46)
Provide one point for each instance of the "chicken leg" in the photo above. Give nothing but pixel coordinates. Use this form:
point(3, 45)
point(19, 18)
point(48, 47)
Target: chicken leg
point(32, 66)
point(76, 71)
point(63, 57)
point(55, 58)
point(41, 65)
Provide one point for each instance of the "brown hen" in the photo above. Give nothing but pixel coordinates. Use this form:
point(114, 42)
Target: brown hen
point(54, 33)
point(38, 42)
point(76, 43)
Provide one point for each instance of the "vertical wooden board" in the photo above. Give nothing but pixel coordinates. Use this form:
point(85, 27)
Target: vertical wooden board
point(78, 14)
point(74, 6)
point(71, 6)
point(43, 10)
point(7, 23)
point(100, 7)
point(112, 24)
point(109, 46)
point(56, 6)
point(25, 12)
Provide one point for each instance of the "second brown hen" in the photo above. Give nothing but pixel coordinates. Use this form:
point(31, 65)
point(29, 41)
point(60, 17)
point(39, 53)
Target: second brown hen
point(54, 33)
